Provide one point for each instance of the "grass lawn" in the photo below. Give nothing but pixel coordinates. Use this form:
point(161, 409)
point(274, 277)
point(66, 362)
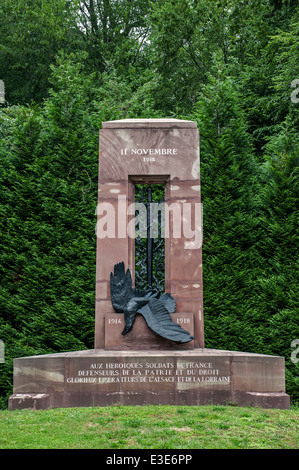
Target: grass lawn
point(150, 427)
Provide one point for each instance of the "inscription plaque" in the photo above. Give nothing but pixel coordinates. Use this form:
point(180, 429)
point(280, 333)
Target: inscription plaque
point(155, 373)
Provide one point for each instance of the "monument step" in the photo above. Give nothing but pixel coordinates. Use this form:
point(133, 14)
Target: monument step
point(190, 377)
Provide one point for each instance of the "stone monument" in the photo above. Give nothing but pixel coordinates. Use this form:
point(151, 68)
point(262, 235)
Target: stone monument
point(149, 348)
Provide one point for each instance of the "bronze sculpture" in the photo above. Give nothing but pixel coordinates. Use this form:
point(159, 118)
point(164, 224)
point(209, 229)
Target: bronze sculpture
point(151, 304)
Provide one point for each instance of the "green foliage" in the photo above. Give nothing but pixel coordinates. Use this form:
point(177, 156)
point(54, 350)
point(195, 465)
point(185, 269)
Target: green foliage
point(250, 260)
point(31, 34)
point(228, 175)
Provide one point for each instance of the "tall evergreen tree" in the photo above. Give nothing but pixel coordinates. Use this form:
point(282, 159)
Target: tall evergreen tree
point(277, 285)
point(31, 34)
point(228, 191)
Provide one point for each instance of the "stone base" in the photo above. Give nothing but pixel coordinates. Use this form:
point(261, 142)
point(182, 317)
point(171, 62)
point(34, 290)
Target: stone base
point(192, 377)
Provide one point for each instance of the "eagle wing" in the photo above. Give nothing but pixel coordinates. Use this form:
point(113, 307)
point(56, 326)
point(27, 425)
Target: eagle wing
point(121, 288)
point(168, 302)
point(159, 320)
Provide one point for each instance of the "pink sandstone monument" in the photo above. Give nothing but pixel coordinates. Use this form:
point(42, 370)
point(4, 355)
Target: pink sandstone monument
point(143, 367)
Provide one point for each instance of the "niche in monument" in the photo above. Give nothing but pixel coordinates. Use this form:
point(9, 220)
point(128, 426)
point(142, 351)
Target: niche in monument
point(149, 269)
point(149, 236)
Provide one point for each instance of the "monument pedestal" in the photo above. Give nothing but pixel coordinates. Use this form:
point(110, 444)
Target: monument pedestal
point(191, 377)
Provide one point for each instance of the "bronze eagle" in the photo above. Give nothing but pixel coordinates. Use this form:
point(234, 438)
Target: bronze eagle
point(151, 304)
